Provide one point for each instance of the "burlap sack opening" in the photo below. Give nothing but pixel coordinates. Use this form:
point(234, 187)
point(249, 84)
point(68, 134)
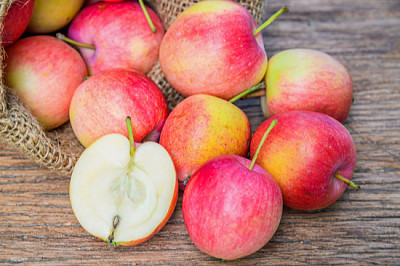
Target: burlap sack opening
point(59, 149)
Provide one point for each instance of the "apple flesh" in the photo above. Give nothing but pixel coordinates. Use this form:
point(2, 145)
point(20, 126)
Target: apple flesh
point(120, 34)
point(303, 153)
point(211, 49)
point(16, 21)
point(101, 103)
point(44, 72)
point(119, 198)
point(50, 16)
point(202, 127)
point(309, 80)
point(230, 211)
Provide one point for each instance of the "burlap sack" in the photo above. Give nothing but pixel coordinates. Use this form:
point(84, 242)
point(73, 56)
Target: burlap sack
point(59, 149)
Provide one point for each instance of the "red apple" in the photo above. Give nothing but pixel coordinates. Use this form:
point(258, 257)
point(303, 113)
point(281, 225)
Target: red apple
point(202, 127)
point(310, 80)
point(119, 34)
point(50, 16)
point(211, 48)
point(102, 102)
point(230, 211)
point(44, 72)
point(16, 21)
point(307, 153)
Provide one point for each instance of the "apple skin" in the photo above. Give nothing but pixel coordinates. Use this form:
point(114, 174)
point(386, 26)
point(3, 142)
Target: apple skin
point(102, 102)
point(230, 211)
point(44, 72)
point(309, 80)
point(302, 153)
point(121, 35)
point(210, 48)
point(202, 127)
point(50, 16)
point(89, 2)
point(16, 21)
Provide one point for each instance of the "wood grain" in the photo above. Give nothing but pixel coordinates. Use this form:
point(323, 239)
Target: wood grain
point(37, 225)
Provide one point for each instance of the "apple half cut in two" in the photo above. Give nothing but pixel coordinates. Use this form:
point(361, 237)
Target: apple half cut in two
point(121, 198)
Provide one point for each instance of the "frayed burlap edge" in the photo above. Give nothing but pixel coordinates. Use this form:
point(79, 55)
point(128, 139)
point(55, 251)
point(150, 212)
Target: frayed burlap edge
point(59, 149)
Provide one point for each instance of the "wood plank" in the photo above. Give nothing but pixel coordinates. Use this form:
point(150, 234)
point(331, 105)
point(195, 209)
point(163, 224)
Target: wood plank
point(37, 224)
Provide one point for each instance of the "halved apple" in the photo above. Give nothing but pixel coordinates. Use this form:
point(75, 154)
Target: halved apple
point(122, 195)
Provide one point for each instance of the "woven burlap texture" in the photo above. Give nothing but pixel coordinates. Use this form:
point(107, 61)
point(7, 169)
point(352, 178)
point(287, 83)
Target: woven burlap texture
point(59, 149)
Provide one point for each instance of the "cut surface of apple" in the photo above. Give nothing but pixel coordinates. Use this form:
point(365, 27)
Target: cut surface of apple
point(120, 198)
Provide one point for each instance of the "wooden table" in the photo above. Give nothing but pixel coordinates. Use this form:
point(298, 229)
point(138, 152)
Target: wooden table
point(37, 224)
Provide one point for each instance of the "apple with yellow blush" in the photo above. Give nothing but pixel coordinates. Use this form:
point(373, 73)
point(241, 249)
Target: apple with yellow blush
point(311, 155)
point(202, 127)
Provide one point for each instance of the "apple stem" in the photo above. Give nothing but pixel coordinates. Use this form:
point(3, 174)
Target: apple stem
point(348, 182)
point(146, 14)
point(254, 94)
point(271, 19)
point(64, 38)
point(260, 85)
point(130, 134)
point(110, 239)
point(271, 126)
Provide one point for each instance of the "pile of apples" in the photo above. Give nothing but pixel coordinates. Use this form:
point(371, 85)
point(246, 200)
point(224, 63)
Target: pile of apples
point(124, 187)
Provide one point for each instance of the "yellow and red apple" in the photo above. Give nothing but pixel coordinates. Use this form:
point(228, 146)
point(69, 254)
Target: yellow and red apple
point(310, 80)
point(202, 127)
point(211, 49)
point(44, 72)
point(102, 102)
point(119, 34)
point(310, 155)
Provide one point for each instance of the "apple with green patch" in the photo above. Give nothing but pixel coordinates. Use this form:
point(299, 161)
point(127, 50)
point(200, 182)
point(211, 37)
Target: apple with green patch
point(309, 80)
point(215, 48)
point(100, 104)
point(122, 194)
point(311, 155)
point(231, 206)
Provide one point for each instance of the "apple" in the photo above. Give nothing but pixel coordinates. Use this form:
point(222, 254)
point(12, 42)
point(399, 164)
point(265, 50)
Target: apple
point(50, 16)
point(16, 21)
point(101, 103)
point(118, 36)
point(202, 127)
point(210, 48)
point(89, 2)
point(215, 48)
point(44, 72)
point(116, 192)
point(231, 209)
point(311, 156)
point(309, 80)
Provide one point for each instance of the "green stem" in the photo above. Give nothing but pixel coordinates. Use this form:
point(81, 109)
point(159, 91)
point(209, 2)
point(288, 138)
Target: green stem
point(260, 85)
point(130, 133)
point(146, 14)
point(253, 161)
point(68, 40)
point(271, 19)
point(348, 182)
